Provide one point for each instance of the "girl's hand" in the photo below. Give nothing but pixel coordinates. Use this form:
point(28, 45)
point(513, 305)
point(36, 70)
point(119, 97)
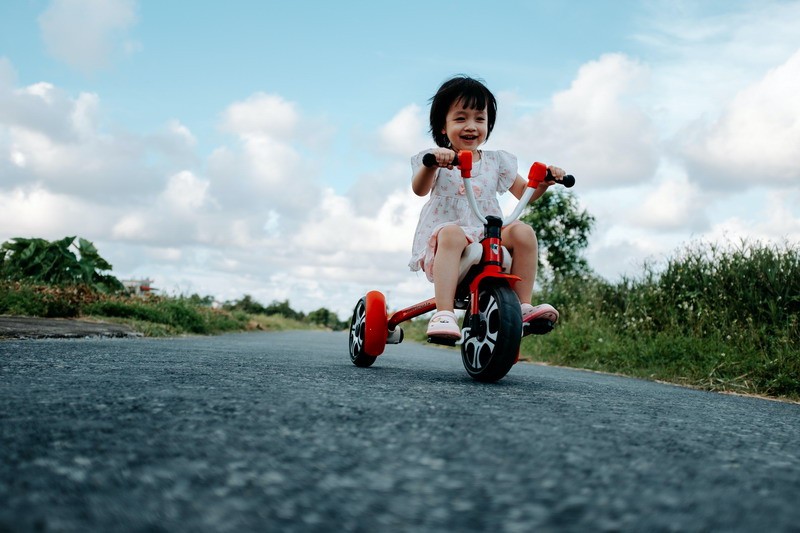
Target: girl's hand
point(556, 173)
point(444, 157)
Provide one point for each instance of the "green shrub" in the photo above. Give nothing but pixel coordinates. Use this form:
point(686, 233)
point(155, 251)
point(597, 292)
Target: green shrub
point(181, 314)
point(724, 318)
point(38, 300)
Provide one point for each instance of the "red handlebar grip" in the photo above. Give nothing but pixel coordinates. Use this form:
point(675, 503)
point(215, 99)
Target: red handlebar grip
point(465, 163)
point(537, 174)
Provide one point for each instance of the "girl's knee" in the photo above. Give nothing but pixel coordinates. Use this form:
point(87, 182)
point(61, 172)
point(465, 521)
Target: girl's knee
point(521, 235)
point(452, 236)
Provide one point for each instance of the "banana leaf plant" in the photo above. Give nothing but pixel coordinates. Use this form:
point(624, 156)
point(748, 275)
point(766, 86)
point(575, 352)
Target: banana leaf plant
point(45, 262)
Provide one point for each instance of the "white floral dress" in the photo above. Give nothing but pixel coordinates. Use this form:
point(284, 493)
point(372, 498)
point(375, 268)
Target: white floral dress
point(448, 205)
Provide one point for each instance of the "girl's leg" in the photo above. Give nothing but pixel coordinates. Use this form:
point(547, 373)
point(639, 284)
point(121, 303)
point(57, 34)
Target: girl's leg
point(520, 240)
point(450, 243)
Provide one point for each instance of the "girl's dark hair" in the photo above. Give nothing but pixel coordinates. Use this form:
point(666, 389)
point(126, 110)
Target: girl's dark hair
point(474, 95)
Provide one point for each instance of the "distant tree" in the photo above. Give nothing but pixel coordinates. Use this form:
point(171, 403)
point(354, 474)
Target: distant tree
point(321, 317)
point(284, 309)
point(327, 318)
point(56, 263)
point(247, 305)
point(206, 301)
point(562, 229)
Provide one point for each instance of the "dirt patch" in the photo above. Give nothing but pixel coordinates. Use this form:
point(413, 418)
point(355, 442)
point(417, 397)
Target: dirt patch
point(23, 327)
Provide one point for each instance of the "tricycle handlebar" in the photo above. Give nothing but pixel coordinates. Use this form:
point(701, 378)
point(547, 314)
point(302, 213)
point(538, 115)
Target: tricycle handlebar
point(429, 160)
point(538, 173)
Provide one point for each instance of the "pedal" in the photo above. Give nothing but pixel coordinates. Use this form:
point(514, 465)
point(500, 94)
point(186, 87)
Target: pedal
point(540, 326)
point(442, 341)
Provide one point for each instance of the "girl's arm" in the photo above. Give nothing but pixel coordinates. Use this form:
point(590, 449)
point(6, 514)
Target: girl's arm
point(422, 182)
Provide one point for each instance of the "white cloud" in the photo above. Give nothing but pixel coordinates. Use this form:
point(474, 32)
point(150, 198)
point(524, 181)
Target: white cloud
point(185, 192)
point(51, 138)
point(396, 142)
point(85, 114)
point(261, 115)
point(596, 128)
point(776, 219)
point(756, 140)
point(401, 136)
point(96, 166)
point(85, 34)
point(38, 107)
point(37, 212)
point(181, 132)
point(267, 171)
point(673, 204)
point(132, 226)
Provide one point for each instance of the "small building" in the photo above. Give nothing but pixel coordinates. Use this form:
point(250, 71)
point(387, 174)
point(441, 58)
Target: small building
point(139, 287)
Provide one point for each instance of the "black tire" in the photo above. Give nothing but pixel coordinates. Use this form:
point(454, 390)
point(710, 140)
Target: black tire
point(357, 332)
point(491, 340)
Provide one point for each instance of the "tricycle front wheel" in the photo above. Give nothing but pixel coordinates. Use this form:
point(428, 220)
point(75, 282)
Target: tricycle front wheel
point(492, 338)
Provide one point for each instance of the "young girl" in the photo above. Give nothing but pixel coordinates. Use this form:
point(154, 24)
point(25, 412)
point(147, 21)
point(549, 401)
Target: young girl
point(462, 117)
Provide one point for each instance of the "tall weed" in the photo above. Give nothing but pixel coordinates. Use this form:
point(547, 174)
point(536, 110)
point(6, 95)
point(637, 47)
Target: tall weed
point(723, 317)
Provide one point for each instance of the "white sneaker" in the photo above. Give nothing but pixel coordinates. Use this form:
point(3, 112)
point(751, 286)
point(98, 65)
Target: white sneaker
point(543, 311)
point(444, 325)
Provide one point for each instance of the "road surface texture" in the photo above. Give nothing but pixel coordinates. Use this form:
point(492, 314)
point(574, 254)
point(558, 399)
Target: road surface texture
point(28, 327)
point(280, 432)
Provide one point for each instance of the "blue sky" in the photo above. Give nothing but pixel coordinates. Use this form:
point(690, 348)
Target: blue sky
point(262, 147)
point(354, 62)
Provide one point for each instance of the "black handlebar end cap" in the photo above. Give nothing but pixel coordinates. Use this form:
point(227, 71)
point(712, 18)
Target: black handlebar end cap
point(429, 160)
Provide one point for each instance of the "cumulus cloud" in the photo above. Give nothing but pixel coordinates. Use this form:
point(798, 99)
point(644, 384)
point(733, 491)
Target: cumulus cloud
point(402, 135)
point(185, 192)
point(755, 141)
point(36, 212)
point(397, 140)
point(261, 115)
point(672, 204)
point(265, 167)
point(595, 128)
point(51, 138)
point(776, 219)
point(41, 107)
point(86, 34)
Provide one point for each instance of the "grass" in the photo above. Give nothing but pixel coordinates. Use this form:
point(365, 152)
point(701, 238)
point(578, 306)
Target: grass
point(154, 316)
point(719, 318)
point(722, 318)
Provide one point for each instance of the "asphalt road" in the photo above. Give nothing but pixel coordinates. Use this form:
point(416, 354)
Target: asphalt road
point(29, 327)
point(280, 432)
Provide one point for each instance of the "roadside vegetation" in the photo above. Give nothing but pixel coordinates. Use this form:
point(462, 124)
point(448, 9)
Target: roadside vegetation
point(69, 279)
point(720, 318)
point(712, 317)
point(717, 317)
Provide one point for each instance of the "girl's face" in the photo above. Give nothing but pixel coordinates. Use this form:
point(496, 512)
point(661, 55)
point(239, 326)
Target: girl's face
point(466, 128)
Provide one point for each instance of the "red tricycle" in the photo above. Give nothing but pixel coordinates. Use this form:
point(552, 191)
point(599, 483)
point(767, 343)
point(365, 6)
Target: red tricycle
point(492, 328)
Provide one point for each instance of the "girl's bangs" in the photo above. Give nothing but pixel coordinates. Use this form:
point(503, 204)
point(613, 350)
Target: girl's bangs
point(473, 99)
